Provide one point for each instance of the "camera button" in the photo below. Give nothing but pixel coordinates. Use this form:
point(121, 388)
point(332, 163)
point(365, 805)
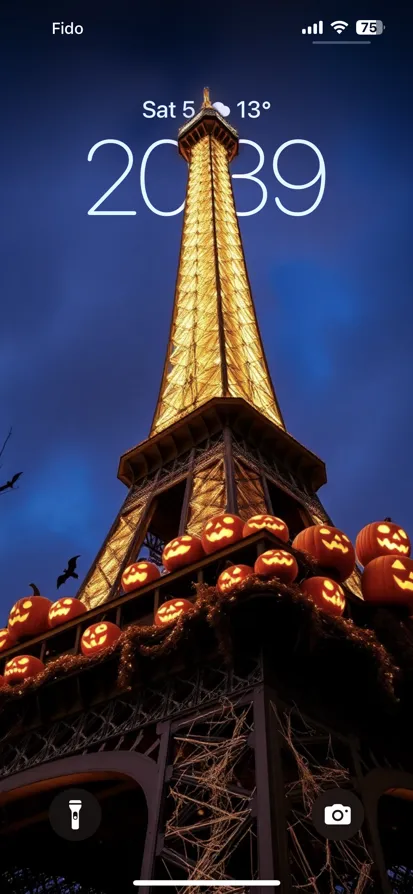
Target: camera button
point(337, 814)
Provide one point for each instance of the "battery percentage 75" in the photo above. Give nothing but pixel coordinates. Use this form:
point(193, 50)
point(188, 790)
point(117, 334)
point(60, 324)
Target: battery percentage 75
point(369, 26)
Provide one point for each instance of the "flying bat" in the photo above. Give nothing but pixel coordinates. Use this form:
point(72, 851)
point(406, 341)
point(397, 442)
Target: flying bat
point(68, 572)
point(10, 484)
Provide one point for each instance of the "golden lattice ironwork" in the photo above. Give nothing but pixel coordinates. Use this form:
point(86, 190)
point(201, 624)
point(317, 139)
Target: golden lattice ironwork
point(101, 579)
point(250, 491)
point(208, 495)
point(215, 348)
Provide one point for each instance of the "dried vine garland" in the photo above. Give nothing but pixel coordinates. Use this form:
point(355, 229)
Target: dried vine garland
point(310, 628)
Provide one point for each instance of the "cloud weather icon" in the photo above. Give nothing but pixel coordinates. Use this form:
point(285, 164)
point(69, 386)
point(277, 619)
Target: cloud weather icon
point(222, 109)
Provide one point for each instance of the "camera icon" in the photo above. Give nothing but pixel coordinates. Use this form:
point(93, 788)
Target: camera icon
point(337, 815)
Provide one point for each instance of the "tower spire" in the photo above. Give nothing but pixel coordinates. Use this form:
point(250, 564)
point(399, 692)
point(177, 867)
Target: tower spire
point(215, 348)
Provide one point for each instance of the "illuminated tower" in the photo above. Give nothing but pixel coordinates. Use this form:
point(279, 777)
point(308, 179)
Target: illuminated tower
point(218, 440)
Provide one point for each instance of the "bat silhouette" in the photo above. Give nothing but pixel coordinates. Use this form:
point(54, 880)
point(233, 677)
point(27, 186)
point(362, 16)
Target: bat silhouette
point(68, 572)
point(10, 484)
point(36, 591)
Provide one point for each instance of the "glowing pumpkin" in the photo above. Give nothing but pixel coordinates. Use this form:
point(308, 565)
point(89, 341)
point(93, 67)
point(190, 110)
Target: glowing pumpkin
point(138, 575)
point(220, 531)
point(7, 639)
point(21, 667)
point(170, 611)
point(277, 563)
point(268, 522)
point(99, 637)
point(29, 617)
point(381, 539)
point(65, 610)
point(325, 593)
point(182, 551)
point(388, 579)
point(330, 548)
point(231, 578)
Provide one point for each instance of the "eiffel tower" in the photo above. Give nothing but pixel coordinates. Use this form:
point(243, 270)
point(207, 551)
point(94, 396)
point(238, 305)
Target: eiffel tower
point(203, 766)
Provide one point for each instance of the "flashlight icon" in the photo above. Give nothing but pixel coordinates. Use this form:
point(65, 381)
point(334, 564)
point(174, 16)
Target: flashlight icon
point(75, 808)
point(369, 26)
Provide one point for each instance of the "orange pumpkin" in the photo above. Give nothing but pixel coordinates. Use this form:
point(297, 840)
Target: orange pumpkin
point(325, 593)
point(330, 548)
point(277, 563)
point(389, 580)
point(182, 551)
point(381, 539)
point(138, 575)
point(268, 522)
point(29, 617)
point(221, 531)
point(231, 578)
point(2, 680)
point(7, 639)
point(65, 610)
point(21, 667)
point(99, 637)
point(170, 611)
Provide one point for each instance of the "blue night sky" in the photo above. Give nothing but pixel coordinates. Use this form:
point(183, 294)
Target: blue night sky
point(86, 301)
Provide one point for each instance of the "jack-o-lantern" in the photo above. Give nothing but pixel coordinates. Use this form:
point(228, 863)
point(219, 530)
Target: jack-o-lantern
point(182, 551)
point(381, 539)
point(29, 617)
point(65, 610)
point(270, 523)
point(330, 548)
point(170, 611)
point(220, 531)
point(7, 639)
point(138, 575)
point(233, 576)
point(21, 667)
point(99, 637)
point(325, 593)
point(388, 579)
point(277, 563)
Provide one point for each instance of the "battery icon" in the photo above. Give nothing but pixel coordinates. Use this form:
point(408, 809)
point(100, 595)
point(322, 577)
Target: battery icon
point(369, 26)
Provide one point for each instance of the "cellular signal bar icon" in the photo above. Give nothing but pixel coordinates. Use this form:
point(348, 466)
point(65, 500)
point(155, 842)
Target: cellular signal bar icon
point(313, 29)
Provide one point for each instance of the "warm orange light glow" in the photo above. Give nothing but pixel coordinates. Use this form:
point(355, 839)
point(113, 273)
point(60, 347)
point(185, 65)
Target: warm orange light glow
point(221, 530)
point(139, 574)
point(231, 578)
point(64, 610)
point(98, 637)
point(389, 580)
point(182, 551)
point(29, 617)
point(7, 639)
point(269, 522)
point(325, 593)
point(170, 611)
point(277, 563)
point(381, 539)
point(330, 547)
point(21, 668)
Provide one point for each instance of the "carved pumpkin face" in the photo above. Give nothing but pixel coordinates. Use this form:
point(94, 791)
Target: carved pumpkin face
point(21, 668)
point(138, 575)
point(388, 579)
point(7, 639)
point(29, 617)
point(325, 593)
point(182, 551)
point(64, 610)
point(277, 563)
point(381, 539)
point(231, 578)
point(99, 637)
point(270, 522)
point(221, 530)
point(330, 548)
point(170, 611)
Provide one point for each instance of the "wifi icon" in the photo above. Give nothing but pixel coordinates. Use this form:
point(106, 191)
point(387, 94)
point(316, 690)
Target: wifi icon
point(339, 27)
